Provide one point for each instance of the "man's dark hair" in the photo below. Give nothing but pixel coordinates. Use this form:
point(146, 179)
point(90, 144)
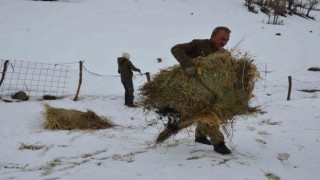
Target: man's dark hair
point(218, 29)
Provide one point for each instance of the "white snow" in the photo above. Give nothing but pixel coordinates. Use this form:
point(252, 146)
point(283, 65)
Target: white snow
point(284, 141)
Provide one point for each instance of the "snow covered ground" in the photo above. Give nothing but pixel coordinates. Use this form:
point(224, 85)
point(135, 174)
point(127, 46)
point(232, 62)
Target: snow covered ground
point(283, 142)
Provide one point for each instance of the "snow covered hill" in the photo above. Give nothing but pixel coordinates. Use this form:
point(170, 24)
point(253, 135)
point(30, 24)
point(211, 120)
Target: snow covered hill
point(281, 144)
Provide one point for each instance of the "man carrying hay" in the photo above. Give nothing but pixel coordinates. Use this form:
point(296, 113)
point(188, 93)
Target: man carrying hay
point(125, 68)
point(185, 53)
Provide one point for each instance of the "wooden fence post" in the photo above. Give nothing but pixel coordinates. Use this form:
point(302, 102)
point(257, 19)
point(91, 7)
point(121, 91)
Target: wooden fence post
point(5, 67)
point(289, 88)
point(80, 80)
point(148, 76)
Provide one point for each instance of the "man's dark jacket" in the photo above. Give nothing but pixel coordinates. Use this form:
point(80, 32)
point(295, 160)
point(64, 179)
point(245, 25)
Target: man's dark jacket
point(184, 53)
point(125, 67)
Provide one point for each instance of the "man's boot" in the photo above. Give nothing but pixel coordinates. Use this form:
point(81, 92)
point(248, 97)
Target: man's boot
point(203, 140)
point(131, 105)
point(221, 148)
point(130, 101)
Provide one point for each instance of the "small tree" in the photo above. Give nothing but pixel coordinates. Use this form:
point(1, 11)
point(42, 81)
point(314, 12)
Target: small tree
point(260, 2)
point(290, 4)
point(248, 3)
point(311, 5)
point(301, 5)
point(278, 7)
point(250, 6)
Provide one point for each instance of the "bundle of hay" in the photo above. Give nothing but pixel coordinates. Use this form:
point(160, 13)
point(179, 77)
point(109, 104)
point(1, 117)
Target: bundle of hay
point(64, 119)
point(186, 100)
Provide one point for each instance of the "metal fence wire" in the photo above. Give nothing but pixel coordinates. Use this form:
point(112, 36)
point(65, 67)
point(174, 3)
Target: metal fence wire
point(35, 78)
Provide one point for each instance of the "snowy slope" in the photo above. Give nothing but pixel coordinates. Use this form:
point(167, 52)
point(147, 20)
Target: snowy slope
point(283, 142)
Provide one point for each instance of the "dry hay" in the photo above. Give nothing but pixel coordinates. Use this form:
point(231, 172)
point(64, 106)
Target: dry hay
point(21, 95)
point(49, 97)
point(65, 119)
point(183, 100)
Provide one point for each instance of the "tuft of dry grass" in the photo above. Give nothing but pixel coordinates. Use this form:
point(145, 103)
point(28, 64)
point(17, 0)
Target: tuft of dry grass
point(65, 119)
point(30, 147)
point(272, 176)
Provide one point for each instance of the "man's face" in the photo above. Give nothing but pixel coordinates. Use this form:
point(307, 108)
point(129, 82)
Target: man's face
point(220, 39)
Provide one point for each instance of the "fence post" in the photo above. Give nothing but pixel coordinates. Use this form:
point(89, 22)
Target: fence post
point(5, 67)
point(148, 76)
point(80, 80)
point(289, 88)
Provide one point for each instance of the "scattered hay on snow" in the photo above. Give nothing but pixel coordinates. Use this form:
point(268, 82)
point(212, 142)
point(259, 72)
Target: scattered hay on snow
point(64, 119)
point(21, 95)
point(184, 100)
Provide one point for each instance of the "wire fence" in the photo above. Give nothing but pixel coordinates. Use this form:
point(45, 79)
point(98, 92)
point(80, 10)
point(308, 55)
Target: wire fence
point(304, 83)
point(34, 78)
point(39, 79)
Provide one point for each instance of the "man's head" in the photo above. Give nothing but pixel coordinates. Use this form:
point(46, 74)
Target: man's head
point(126, 55)
point(220, 36)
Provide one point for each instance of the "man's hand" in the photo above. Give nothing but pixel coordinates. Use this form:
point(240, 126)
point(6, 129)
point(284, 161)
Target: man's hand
point(214, 98)
point(191, 71)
